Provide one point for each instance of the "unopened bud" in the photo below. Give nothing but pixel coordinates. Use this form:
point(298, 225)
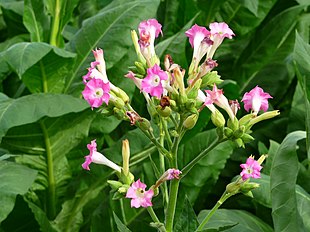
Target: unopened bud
point(210, 79)
point(246, 138)
point(119, 113)
point(218, 119)
point(239, 133)
point(245, 119)
point(228, 132)
point(192, 91)
point(123, 95)
point(115, 185)
point(164, 112)
point(239, 142)
point(144, 124)
point(126, 156)
point(135, 40)
point(190, 122)
point(248, 186)
point(233, 188)
point(140, 68)
point(179, 76)
point(264, 116)
point(118, 103)
point(262, 158)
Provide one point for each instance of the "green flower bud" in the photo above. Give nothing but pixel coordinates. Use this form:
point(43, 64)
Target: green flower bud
point(190, 104)
point(210, 79)
point(245, 119)
point(192, 92)
point(264, 116)
point(115, 185)
point(239, 133)
point(246, 138)
point(228, 132)
point(190, 121)
point(140, 68)
point(239, 142)
point(123, 95)
point(234, 125)
point(144, 124)
point(164, 112)
point(120, 114)
point(218, 119)
point(233, 188)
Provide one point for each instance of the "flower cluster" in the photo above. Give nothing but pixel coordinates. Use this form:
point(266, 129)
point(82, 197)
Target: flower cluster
point(174, 99)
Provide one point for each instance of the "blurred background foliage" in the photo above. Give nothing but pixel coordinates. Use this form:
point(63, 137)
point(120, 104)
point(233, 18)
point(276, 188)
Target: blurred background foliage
point(45, 48)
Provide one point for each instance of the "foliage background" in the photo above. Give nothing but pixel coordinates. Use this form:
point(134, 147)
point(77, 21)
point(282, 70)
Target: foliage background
point(45, 48)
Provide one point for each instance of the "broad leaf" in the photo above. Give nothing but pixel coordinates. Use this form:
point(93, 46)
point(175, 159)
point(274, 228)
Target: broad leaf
point(238, 220)
point(14, 179)
point(283, 177)
point(209, 168)
point(35, 20)
point(28, 109)
point(120, 226)
point(109, 30)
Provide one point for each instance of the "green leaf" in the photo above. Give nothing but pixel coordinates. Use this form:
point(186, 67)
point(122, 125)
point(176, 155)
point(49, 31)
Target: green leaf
point(283, 177)
point(187, 220)
point(265, 43)
point(238, 220)
point(14, 179)
point(209, 168)
point(28, 109)
point(109, 30)
point(120, 226)
point(35, 20)
point(262, 195)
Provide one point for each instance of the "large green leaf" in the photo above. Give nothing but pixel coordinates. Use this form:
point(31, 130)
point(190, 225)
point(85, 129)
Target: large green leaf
point(42, 67)
point(209, 168)
point(262, 196)
point(238, 220)
point(28, 109)
point(110, 30)
point(283, 177)
point(35, 20)
point(14, 179)
point(264, 44)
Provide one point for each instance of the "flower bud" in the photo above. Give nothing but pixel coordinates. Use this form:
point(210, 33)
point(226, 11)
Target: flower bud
point(190, 121)
point(218, 119)
point(192, 91)
point(245, 119)
point(164, 112)
point(126, 156)
point(233, 124)
point(140, 68)
point(239, 133)
point(248, 186)
point(233, 187)
point(123, 95)
point(179, 76)
point(264, 116)
point(135, 40)
point(228, 132)
point(239, 142)
point(246, 138)
point(115, 185)
point(144, 124)
point(210, 79)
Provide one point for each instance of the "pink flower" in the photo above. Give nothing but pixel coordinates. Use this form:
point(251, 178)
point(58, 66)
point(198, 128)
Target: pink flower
point(100, 62)
point(148, 31)
point(199, 38)
point(219, 31)
point(153, 82)
point(217, 97)
point(98, 158)
point(173, 174)
point(139, 197)
point(250, 169)
point(131, 75)
point(256, 100)
point(96, 92)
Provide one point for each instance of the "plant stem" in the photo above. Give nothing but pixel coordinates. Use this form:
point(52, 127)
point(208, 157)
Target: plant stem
point(223, 198)
point(155, 219)
point(51, 199)
point(55, 26)
point(202, 154)
point(174, 187)
point(162, 162)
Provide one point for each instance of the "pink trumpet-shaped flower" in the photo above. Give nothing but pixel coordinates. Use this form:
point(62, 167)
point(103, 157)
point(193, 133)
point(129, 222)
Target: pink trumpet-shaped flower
point(256, 100)
point(139, 197)
point(199, 38)
point(98, 158)
point(250, 169)
point(217, 97)
point(148, 31)
point(153, 82)
point(173, 173)
point(96, 92)
point(219, 31)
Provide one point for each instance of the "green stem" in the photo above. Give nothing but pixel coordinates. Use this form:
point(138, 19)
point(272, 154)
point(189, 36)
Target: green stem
point(44, 79)
point(167, 135)
point(155, 219)
point(55, 26)
point(162, 162)
point(123, 211)
point(223, 198)
point(190, 165)
point(174, 187)
point(51, 199)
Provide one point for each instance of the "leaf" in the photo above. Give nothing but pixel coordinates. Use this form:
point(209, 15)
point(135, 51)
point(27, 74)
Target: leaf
point(14, 179)
point(109, 30)
point(283, 177)
point(209, 168)
point(238, 220)
point(265, 44)
point(263, 196)
point(35, 20)
point(28, 109)
point(120, 226)
point(187, 220)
